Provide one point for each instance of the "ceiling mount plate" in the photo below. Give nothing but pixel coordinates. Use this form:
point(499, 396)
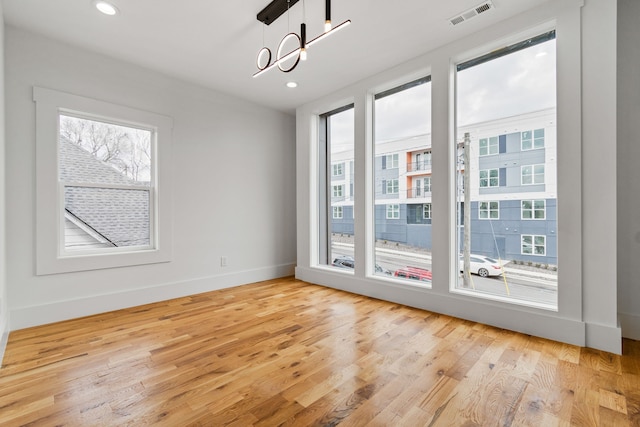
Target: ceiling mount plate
point(274, 10)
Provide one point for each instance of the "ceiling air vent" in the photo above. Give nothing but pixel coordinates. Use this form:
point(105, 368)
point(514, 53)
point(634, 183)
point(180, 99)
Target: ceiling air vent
point(472, 13)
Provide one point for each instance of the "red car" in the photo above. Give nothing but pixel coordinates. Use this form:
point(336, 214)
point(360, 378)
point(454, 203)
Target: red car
point(414, 273)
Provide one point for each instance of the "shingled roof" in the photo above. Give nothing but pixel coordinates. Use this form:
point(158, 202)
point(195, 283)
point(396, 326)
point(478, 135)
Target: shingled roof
point(117, 216)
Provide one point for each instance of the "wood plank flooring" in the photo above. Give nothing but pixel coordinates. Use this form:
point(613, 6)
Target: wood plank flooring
point(285, 352)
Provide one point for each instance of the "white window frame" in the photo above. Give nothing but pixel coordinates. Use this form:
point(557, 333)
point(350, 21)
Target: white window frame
point(533, 244)
point(337, 212)
point(425, 187)
point(426, 159)
point(393, 186)
point(533, 210)
point(533, 174)
point(392, 161)
point(337, 169)
point(488, 209)
point(51, 258)
point(393, 211)
point(492, 147)
point(426, 211)
point(532, 140)
point(338, 190)
point(489, 178)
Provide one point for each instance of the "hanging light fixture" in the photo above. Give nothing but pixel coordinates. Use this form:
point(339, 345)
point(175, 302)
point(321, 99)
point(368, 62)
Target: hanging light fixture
point(272, 12)
point(327, 18)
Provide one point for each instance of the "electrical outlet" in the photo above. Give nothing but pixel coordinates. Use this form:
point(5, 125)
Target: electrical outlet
point(223, 261)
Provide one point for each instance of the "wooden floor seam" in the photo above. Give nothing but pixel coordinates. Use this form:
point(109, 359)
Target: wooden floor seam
point(288, 353)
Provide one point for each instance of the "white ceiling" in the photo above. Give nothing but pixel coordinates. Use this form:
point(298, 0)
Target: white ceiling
point(214, 43)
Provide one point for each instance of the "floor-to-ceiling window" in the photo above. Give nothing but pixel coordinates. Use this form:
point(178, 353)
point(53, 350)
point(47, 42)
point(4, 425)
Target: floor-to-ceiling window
point(506, 191)
point(402, 182)
point(336, 189)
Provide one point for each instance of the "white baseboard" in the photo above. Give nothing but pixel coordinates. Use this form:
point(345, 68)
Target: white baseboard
point(603, 337)
point(4, 331)
point(25, 317)
point(515, 318)
point(630, 325)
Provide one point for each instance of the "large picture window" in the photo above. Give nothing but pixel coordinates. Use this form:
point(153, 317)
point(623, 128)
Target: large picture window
point(336, 154)
point(101, 169)
point(402, 168)
point(509, 166)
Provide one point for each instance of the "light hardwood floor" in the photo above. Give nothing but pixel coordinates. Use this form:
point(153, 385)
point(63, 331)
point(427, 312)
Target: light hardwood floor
point(285, 352)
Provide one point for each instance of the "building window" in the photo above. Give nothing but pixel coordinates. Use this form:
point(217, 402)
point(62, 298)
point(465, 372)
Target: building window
point(390, 161)
point(426, 211)
point(534, 244)
point(489, 210)
point(336, 135)
point(393, 211)
point(489, 178)
point(427, 159)
point(418, 187)
point(108, 176)
point(532, 139)
point(532, 174)
point(427, 184)
point(489, 146)
point(105, 172)
point(392, 186)
point(482, 122)
point(533, 209)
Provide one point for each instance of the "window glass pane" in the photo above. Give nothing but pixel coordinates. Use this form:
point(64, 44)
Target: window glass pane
point(105, 217)
point(100, 152)
point(336, 238)
point(105, 170)
point(402, 182)
point(506, 151)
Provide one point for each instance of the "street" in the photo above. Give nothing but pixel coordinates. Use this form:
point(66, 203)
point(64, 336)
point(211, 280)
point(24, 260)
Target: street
point(519, 284)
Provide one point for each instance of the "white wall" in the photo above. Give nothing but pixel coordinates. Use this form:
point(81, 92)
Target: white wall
point(628, 170)
point(587, 313)
point(4, 308)
point(233, 185)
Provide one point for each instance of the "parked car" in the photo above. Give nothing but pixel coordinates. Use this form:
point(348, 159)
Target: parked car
point(482, 265)
point(345, 261)
point(414, 273)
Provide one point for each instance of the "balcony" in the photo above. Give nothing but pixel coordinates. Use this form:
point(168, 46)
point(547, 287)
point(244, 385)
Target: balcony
point(418, 193)
point(423, 166)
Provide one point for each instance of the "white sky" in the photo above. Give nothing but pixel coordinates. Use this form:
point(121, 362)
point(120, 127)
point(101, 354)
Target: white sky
point(517, 83)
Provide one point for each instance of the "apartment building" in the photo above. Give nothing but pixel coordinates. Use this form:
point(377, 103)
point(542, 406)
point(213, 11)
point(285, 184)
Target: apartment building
point(513, 198)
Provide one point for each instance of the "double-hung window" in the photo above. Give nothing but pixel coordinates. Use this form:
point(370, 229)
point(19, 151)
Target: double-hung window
point(532, 139)
point(101, 170)
point(533, 209)
point(489, 210)
point(393, 211)
point(489, 178)
point(488, 146)
point(532, 174)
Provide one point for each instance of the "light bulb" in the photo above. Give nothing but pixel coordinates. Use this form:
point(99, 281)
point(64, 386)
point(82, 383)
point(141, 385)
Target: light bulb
point(303, 54)
point(327, 26)
point(106, 8)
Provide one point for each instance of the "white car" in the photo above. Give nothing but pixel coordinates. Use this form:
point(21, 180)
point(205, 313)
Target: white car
point(482, 265)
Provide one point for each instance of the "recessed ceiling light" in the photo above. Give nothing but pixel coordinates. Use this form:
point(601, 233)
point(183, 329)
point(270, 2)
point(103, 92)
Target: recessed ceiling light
point(292, 84)
point(106, 7)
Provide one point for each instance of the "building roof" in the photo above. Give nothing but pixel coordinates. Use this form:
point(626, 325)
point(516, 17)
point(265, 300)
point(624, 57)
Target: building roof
point(120, 216)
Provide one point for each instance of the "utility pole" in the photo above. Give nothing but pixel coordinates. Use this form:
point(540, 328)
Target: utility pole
point(466, 245)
